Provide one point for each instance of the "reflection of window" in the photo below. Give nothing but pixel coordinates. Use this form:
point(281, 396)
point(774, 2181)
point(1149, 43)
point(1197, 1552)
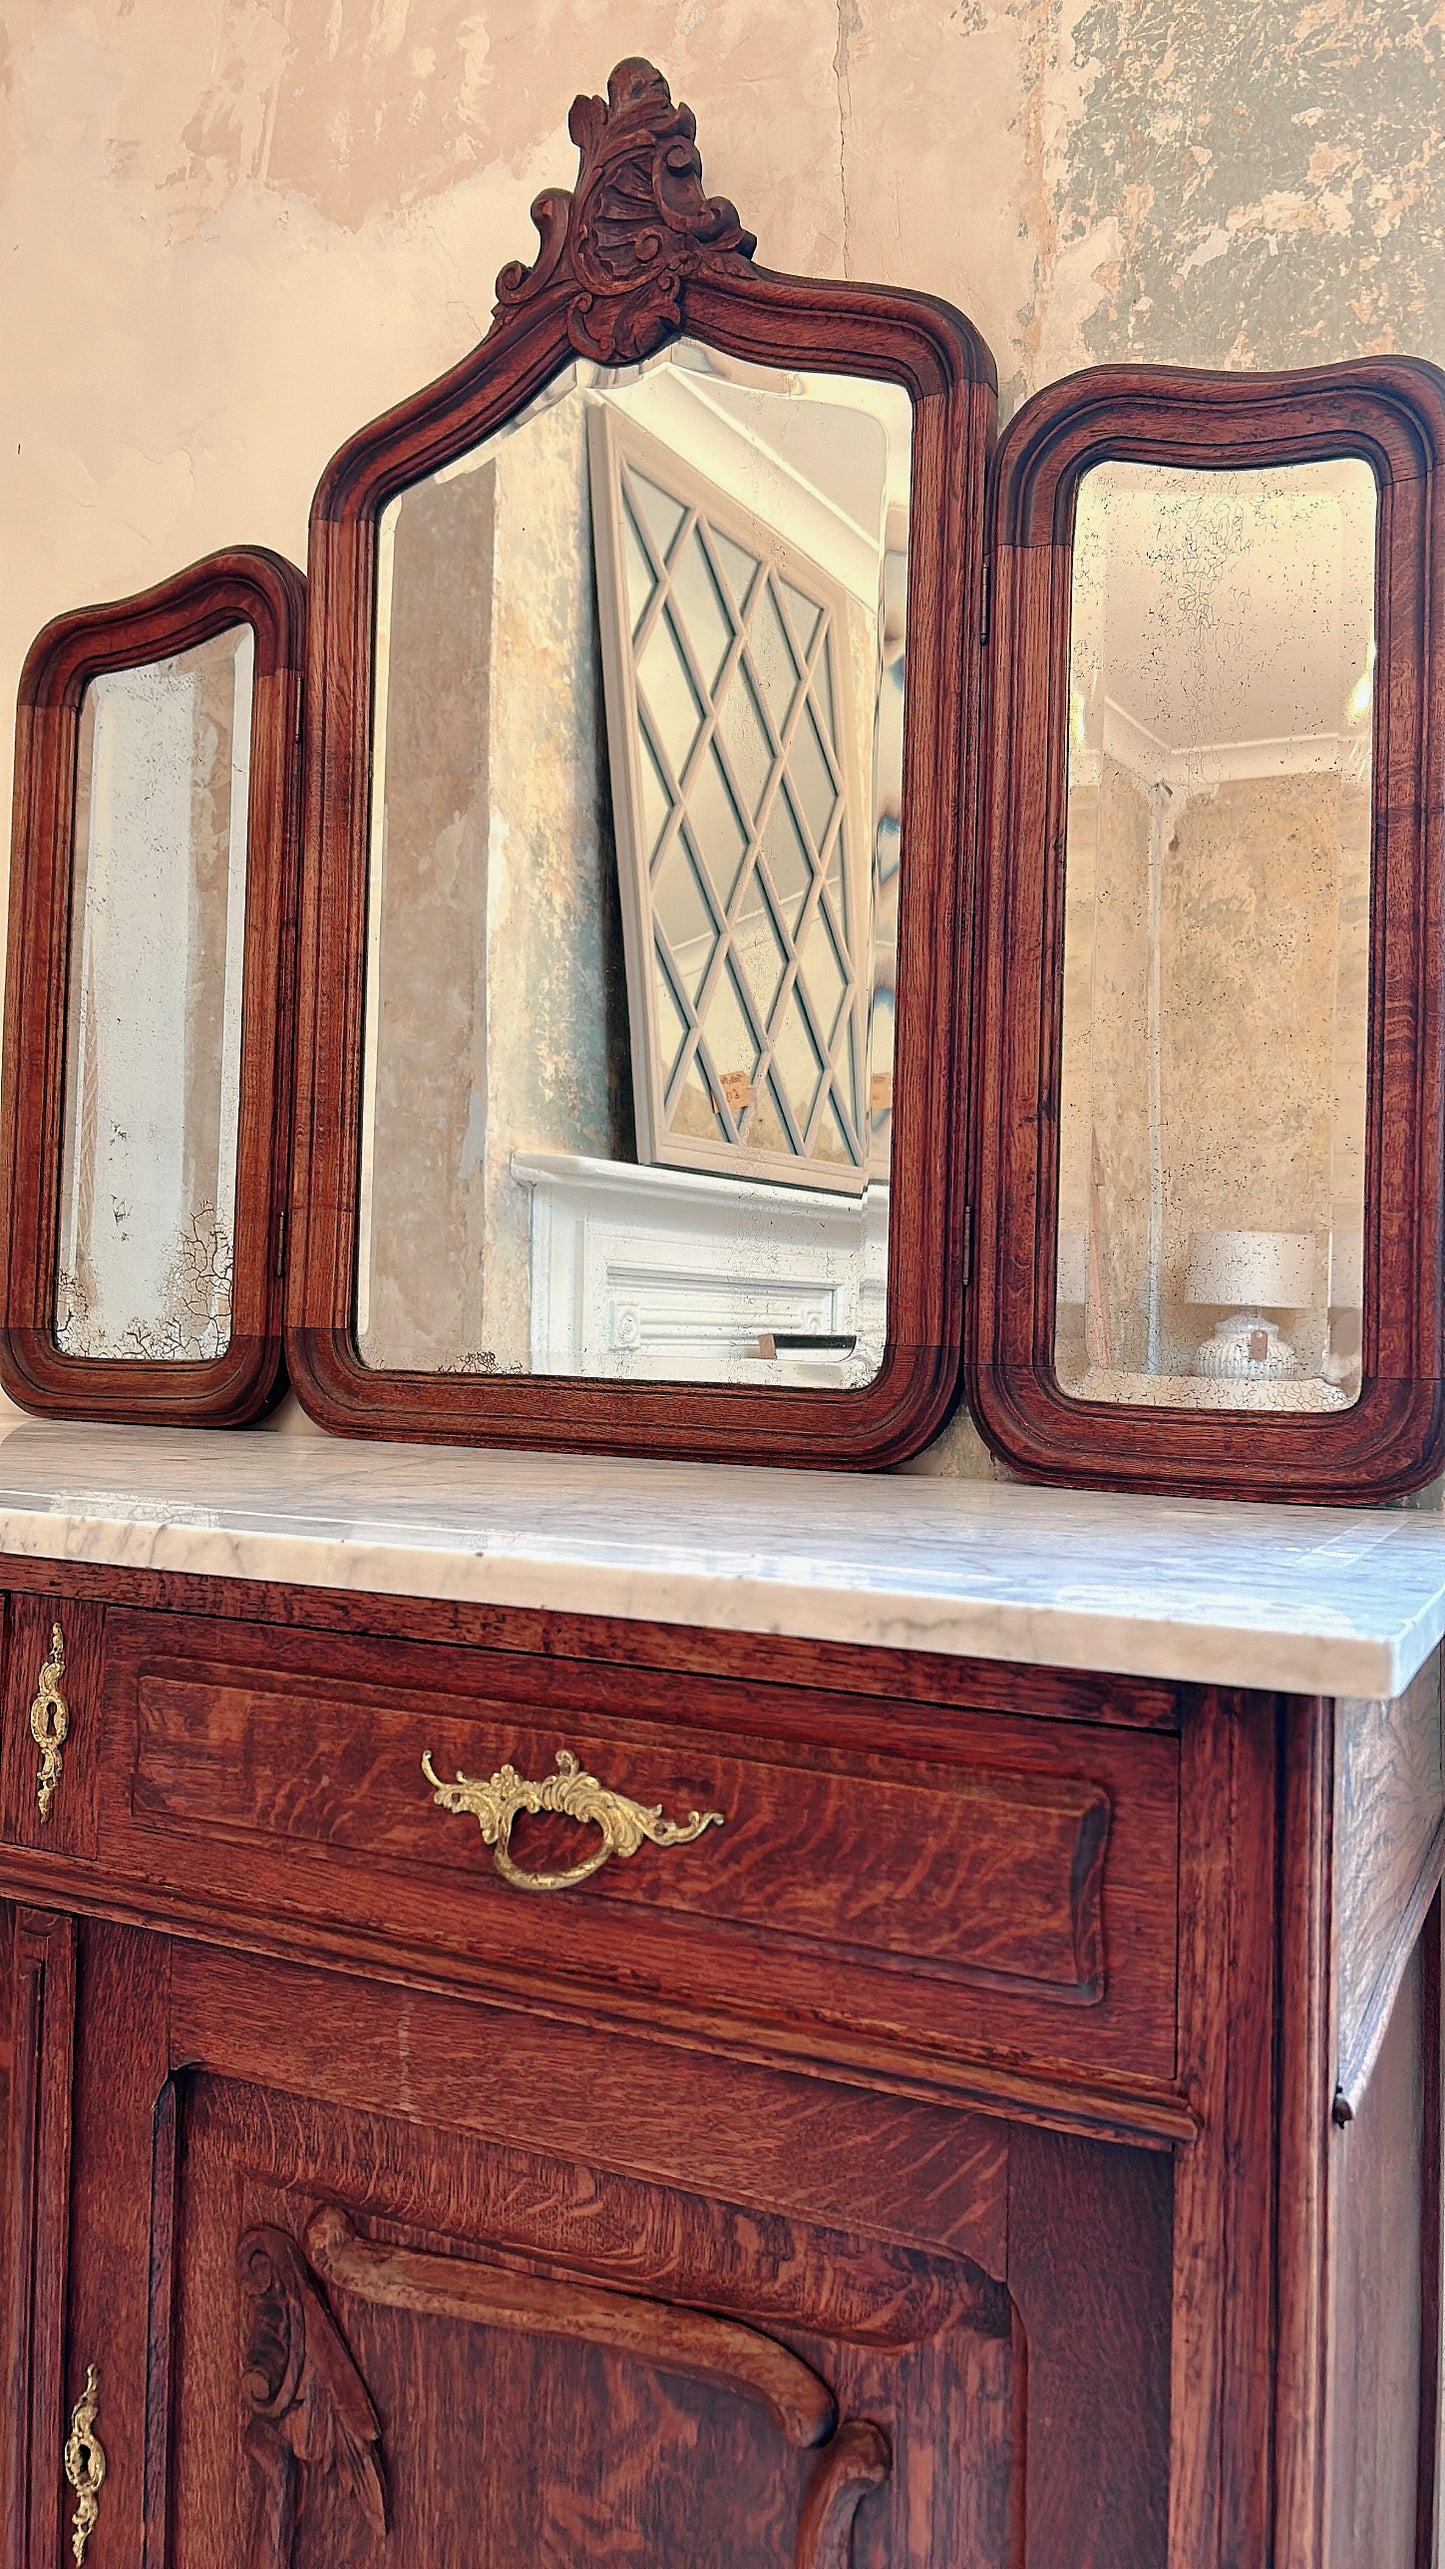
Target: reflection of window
point(741, 828)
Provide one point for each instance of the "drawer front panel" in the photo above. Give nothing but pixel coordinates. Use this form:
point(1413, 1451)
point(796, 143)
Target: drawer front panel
point(989, 1874)
point(1015, 1886)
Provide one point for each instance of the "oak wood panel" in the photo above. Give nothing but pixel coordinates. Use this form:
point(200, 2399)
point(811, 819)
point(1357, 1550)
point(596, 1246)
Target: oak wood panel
point(1374, 2457)
point(37, 2234)
point(1088, 2267)
point(614, 1647)
point(659, 231)
point(944, 2402)
point(871, 2284)
point(72, 1824)
point(991, 1876)
point(1390, 411)
point(947, 1904)
point(246, 585)
point(1389, 1851)
point(1306, 2084)
point(703, 2348)
point(121, 2076)
point(764, 2138)
point(1221, 2461)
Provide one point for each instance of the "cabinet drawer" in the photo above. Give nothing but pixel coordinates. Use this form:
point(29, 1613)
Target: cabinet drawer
point(995, 1882)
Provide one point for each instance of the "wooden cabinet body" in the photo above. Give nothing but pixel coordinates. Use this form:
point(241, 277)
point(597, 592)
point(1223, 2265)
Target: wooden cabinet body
point(933, 2164)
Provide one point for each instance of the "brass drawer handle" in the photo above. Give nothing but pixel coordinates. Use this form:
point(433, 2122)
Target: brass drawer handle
point(84, 2465)
point(623, 1824)
point(50, 1725)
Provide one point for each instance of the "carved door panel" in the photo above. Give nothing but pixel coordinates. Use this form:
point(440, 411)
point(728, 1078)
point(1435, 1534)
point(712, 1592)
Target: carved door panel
point(405, 2346)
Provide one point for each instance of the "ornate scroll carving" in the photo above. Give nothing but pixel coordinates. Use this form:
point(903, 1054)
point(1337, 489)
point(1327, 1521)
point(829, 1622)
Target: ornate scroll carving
point(50, 1722)
point(85, 2464)
point(307, 2408)
point(858, 2459)
point(634, 229)
point(739, 2360)
point(624, 1824)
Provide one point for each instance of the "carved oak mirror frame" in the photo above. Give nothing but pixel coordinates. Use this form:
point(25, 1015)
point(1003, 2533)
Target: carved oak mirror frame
point(635, 258)
point(1391, 414)
point(246, 586)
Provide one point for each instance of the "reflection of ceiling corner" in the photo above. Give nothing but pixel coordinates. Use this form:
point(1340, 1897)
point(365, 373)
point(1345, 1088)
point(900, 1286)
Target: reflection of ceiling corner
point(695, 418)
point(1202, 765)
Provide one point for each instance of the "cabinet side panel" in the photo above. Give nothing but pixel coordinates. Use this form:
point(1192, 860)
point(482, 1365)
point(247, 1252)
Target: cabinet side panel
point(1089, 2271)
point(1378, 2304)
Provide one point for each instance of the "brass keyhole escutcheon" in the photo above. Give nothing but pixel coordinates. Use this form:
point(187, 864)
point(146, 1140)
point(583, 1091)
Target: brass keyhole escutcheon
point(84, 2465)
point(50, 1722)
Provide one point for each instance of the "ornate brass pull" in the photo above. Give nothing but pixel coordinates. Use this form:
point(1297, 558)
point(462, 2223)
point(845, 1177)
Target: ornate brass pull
point(84, 2465)
point(623, 1824)
point(50, 1725)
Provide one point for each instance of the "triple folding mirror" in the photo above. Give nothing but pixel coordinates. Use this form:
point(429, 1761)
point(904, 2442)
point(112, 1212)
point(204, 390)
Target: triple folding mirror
point(652, 1084)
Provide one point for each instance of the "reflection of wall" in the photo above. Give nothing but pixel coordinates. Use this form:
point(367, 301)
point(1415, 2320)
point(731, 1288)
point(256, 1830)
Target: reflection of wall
point(1262, 988)
point(153, 1040)
point(499, 966)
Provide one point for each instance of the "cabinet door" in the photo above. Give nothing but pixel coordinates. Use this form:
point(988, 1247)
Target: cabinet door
point(418, 2318)
point(313, 2272)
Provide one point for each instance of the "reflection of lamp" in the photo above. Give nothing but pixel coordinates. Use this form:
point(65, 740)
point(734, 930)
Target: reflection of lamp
point(1253, 1271)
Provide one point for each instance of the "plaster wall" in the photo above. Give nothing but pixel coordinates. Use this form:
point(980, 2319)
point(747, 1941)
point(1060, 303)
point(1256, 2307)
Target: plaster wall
point(233, 229)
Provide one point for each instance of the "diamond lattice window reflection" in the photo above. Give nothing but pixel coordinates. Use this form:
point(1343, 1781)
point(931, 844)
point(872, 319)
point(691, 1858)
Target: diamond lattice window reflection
point(741, 825)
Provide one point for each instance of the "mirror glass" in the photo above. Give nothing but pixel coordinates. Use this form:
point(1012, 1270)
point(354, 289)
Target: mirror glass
point(1216, 938)
point(633, 884)
point(153, 1018)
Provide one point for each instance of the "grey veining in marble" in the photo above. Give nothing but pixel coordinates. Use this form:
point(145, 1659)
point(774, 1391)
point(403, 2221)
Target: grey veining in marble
point(1313, 1600)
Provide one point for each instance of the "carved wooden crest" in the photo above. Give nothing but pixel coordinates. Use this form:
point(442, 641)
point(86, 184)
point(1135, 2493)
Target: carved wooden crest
point(307, 2408)
point(636, 227)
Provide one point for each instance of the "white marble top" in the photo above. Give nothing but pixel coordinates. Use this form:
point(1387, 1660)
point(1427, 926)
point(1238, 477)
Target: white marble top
point(1312, 1600)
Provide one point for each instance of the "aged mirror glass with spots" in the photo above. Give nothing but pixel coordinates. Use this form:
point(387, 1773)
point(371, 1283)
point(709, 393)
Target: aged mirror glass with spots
point(153, 1024)
point(146, 1108)
point(1217, 937)
point(632, 900)
point(1209, 1185)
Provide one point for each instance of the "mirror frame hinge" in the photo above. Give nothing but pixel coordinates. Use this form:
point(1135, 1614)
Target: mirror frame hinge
point(985, 606)
point(966, 1249)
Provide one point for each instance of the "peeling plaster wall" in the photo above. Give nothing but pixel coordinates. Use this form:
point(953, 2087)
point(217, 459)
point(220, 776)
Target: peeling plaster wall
point(234, 229)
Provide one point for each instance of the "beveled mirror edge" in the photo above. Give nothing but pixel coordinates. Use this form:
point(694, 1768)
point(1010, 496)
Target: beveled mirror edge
point(687, 271)
point(243, 584)
point(1392, 1441)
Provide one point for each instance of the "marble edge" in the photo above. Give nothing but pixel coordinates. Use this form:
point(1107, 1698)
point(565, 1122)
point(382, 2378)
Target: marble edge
point(1074, 1634)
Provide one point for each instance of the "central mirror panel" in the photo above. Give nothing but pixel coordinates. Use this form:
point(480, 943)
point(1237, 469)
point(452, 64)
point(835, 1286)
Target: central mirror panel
point(1217, 937)
point(634, 864)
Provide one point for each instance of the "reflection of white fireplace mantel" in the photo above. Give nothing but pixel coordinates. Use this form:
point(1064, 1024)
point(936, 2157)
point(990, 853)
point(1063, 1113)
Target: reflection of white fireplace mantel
point(660, 1275)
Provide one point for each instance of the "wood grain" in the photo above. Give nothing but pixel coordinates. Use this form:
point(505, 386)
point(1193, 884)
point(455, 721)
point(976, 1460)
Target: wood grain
point(1374, 2458)
point(559, 2448)
point(1306, 2085)
point(72, 1824)
point(960, 1904)
point(1390, 411)
point(243, 586)
point(705, 2349)
point(37, 2236)
point(721, 297)
point(1221, 2456)
point(872, 2283)
point(307, 2408)
point(1389, 1839)
point(1088, 2268)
